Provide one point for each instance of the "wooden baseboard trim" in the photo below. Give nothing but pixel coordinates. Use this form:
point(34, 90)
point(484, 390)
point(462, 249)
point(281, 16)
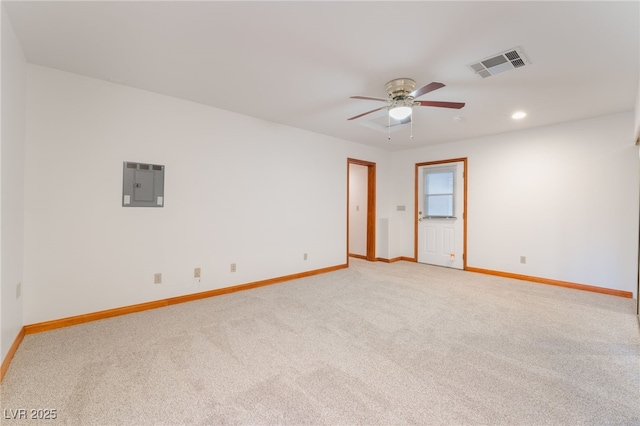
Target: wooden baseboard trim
point(358, 256)
point(94, 316)
point(594, 289)
point(242, 287)
point(11, 353)
point(395, 259)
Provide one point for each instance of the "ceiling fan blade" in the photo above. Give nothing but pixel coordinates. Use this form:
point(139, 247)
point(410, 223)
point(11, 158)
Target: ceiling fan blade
point(426, 89)
point(368, 98)
point(365, 113)
point(454, 105)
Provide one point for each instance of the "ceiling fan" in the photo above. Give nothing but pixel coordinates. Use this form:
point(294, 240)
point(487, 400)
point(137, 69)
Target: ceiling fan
point(401, 98)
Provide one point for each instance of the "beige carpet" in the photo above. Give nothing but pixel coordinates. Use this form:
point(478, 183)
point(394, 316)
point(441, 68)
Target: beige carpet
point(376, 343)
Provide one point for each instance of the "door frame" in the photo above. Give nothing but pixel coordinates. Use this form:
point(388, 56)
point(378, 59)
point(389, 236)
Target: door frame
point(462, 160)
point(371, 207)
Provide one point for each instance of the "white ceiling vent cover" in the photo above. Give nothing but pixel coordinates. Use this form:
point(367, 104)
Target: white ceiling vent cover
point(505, 61)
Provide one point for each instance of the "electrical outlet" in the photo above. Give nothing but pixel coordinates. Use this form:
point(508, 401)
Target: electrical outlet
point(306, 256)
point(157, 278)
point(18, 290)
point(233, 267)
point(196, 273)
point(523, 259)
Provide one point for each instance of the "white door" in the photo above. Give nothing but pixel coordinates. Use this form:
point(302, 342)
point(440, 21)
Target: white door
point(440, 214)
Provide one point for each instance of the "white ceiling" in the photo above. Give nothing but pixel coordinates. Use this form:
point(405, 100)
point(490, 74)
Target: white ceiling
point(297, 63)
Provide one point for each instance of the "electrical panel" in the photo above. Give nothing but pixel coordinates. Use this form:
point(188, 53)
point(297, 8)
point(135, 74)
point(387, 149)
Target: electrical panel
point(142, 185)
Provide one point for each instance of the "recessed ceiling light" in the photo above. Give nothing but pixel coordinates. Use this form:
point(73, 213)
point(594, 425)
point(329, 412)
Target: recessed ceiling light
point(518, 115)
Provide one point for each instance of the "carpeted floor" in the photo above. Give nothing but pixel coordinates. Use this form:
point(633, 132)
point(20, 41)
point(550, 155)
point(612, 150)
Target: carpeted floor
point(373, 344)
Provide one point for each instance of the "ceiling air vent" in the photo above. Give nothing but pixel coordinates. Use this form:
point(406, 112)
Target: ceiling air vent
point(505, 61)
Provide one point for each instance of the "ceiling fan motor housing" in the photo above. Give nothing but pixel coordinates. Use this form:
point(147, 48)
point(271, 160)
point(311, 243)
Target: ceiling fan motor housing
point(400, 88)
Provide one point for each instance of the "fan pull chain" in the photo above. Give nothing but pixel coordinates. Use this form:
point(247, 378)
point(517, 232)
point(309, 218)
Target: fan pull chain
point(411, 128)
point(389, 125)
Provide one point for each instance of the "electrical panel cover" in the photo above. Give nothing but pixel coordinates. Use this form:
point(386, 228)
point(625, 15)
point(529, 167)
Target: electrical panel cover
point(142, 185)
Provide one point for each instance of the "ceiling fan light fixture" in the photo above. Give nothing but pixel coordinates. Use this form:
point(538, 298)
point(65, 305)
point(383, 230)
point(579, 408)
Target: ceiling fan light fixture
point(400, 112)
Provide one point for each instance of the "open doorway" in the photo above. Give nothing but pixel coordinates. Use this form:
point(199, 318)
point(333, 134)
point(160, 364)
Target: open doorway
point(361, 209)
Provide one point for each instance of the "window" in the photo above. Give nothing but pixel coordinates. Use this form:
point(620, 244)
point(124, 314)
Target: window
point(439, 187)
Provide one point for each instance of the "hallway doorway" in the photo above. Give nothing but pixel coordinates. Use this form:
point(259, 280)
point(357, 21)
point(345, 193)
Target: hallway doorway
point(361, 209)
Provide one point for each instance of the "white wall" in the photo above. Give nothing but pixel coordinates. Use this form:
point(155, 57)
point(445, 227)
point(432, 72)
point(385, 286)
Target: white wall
point(564, 196)
point(637, 139)
point(237, 190)
point(246, 191)
point(358, 209)
point(637, 121)
point(13, 86)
